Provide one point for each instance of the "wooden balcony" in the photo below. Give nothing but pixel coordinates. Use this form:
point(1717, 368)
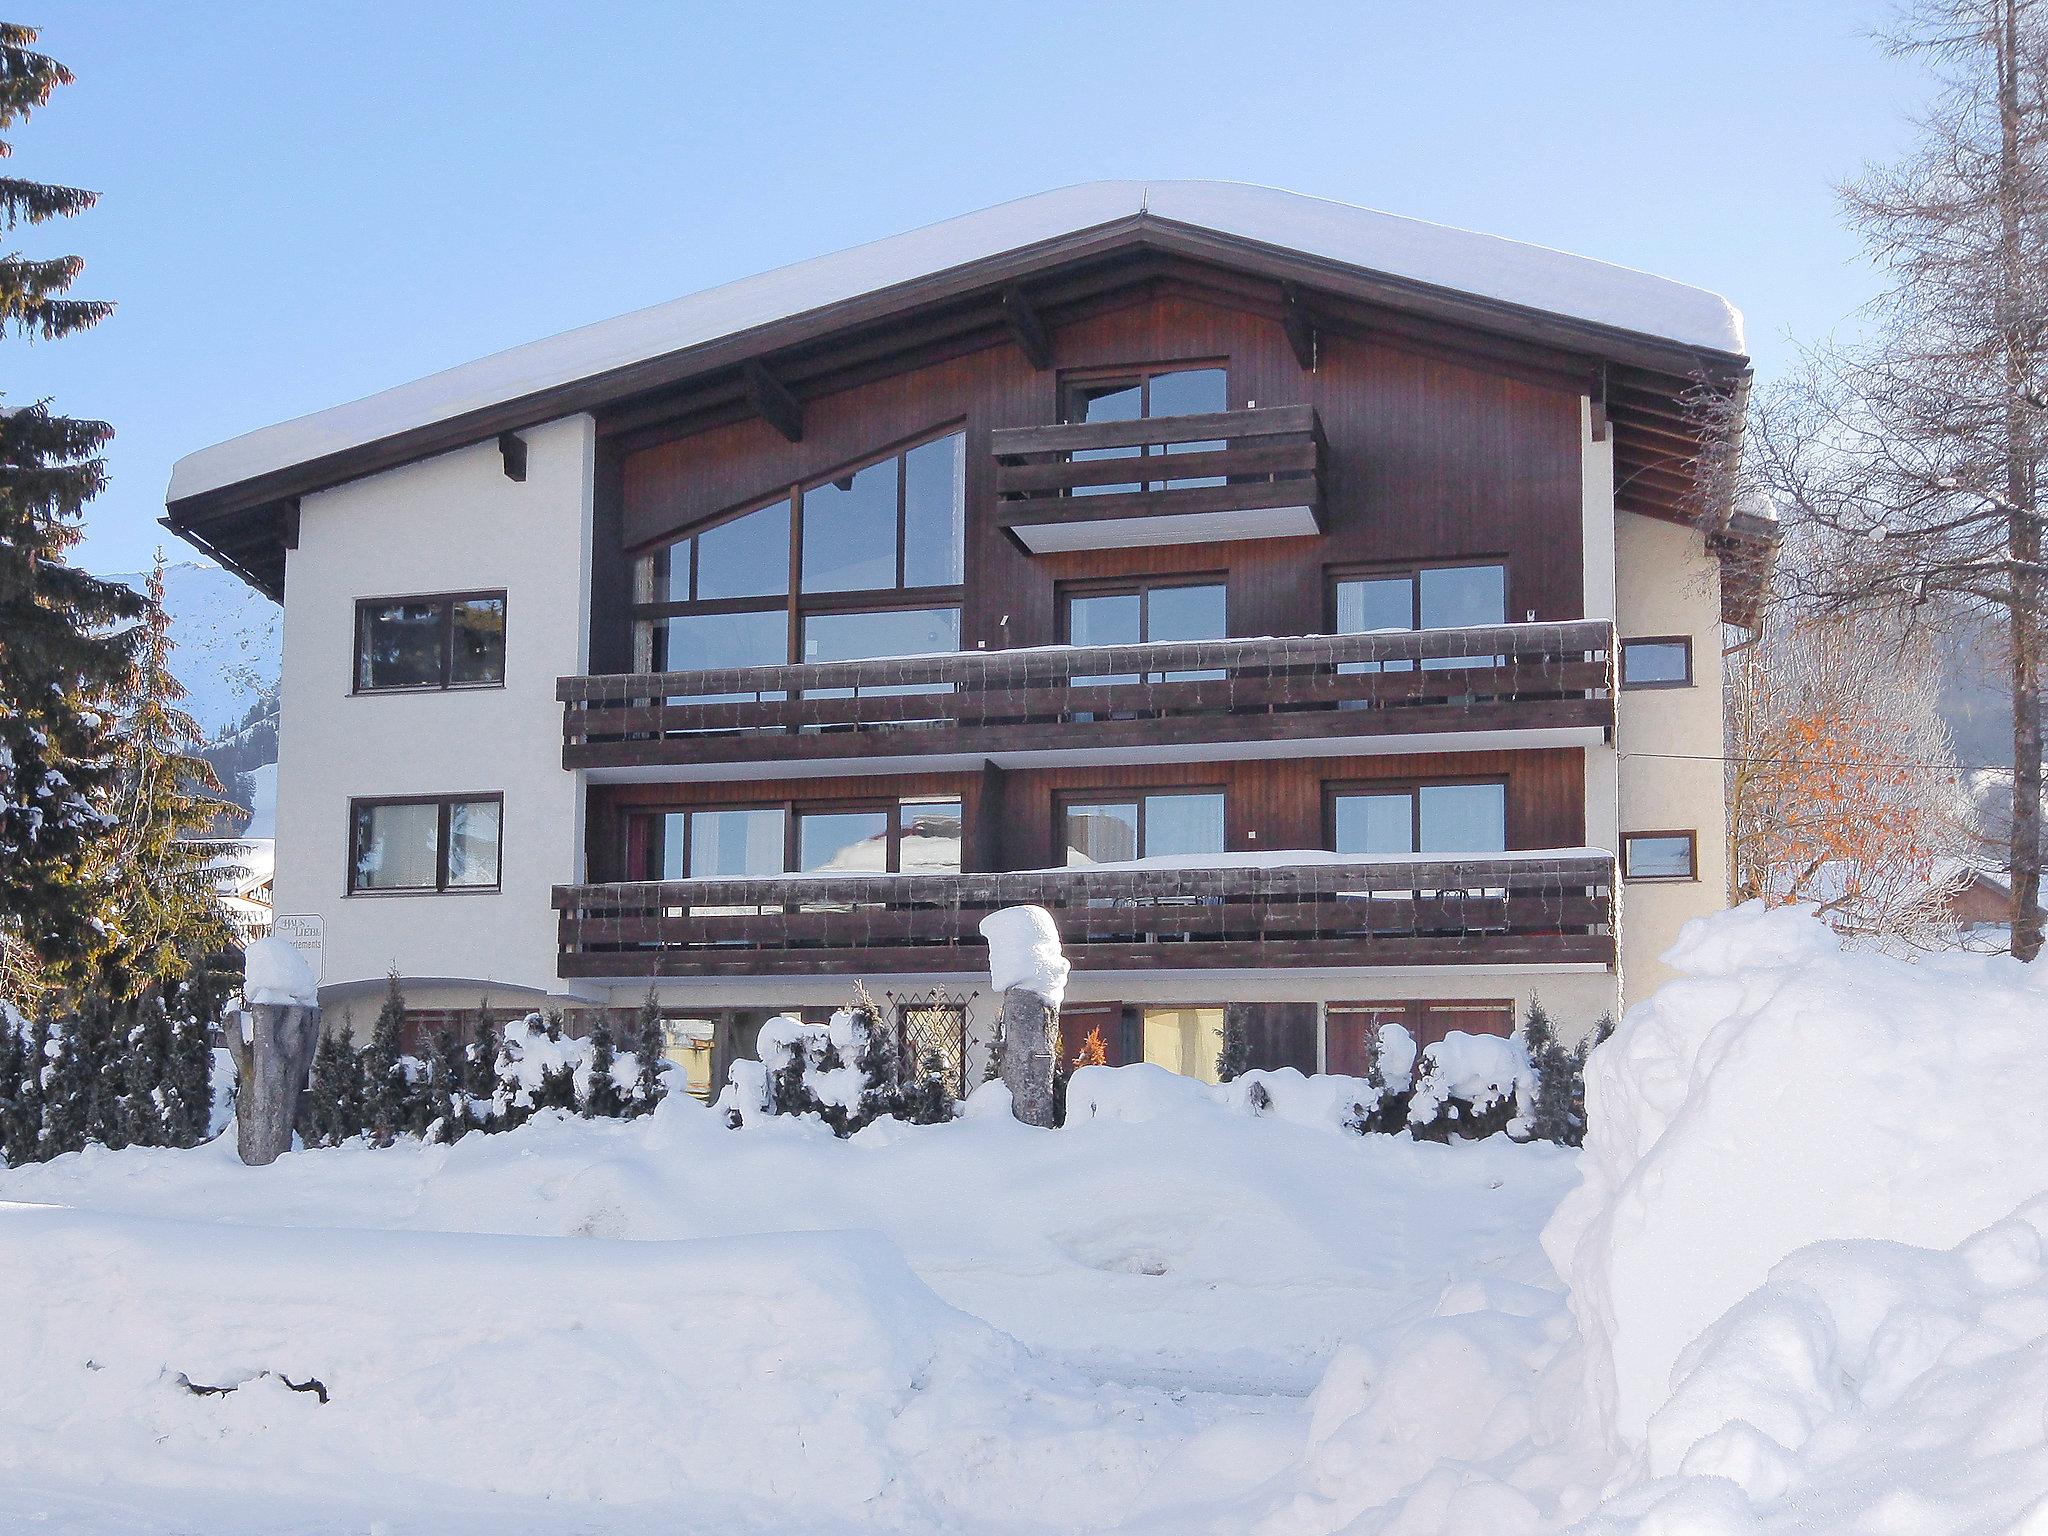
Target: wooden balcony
point(1500, 909)
point(1164, 480)
point(1241, 698)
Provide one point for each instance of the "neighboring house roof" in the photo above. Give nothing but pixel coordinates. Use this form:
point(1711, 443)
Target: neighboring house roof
point(218, 494)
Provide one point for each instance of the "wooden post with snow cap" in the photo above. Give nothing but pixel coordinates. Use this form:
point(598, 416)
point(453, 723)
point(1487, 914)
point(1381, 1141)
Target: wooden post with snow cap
point(272, 1045)
point(1025, 965)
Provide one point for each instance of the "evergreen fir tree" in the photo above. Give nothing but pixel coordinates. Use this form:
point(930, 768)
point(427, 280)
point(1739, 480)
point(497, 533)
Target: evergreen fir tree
point(881, 1073)
point(557, 1088)
point(336, 1112)
point(67, 643)
point(508, 1111)
point(386, 1089)
point(67, 1090)
point(480, 1069)
point(650, 1052)
point(194, 1008)
point(13, 1071)
point(23, 1128)
point(1235, 1058)
point(1559, 1113)
point(447, 1076)
point(602, 1100)
point(1577, 1103)
point(928, 1099)
point(165, 901)
point(145, 1067)
point(100, 1030)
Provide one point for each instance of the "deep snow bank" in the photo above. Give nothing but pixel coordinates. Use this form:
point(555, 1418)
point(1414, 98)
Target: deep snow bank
point(814, 1365)
point(1780, 1093)
point(663, 1323)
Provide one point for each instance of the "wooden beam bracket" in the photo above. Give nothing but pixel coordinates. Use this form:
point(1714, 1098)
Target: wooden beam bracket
point(1027, 329)
point(772, 401)
point(512, 449)
point(1299, 321)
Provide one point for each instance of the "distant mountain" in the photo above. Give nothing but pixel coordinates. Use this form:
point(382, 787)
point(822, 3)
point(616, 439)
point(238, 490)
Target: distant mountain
point(229, 641)
point(227, 645)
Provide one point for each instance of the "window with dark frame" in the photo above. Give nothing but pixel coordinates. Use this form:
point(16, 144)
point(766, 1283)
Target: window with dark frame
point(1403, 599)
point(1111, 827)
point(432, 642)
point(1146, 609)
point(906, 835)
point(1139, 394)
point(1448, 817)
point(1657, 661)
point(1660, 856)
point(415, 845)
point(866, 562)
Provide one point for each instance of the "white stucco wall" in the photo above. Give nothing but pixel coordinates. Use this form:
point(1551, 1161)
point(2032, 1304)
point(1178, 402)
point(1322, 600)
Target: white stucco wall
point(1669, 739)
point(450, 523)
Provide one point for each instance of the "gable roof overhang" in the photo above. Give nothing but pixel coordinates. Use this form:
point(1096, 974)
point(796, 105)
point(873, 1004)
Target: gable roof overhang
point(1646, 349)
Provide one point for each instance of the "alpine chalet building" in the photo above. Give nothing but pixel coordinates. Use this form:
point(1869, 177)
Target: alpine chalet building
point(1319, 612)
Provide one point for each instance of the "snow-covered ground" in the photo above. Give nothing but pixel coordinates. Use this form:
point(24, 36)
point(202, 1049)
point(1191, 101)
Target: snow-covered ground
point(1806, 1294)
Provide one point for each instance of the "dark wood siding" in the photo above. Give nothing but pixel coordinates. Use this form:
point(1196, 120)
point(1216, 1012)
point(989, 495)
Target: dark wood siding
point(1429, 458)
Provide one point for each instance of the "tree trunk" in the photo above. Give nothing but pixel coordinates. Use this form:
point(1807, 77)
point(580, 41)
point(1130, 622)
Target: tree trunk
point(1030, 1027)
point(270, 1071)
point(2024, 533)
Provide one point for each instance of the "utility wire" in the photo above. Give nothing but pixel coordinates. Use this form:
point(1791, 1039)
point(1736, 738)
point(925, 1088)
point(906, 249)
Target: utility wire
point(1817, 762)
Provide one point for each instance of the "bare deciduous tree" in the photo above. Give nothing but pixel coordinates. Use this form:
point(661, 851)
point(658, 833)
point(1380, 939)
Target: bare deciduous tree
point(1918, 449)
point(1843, 789)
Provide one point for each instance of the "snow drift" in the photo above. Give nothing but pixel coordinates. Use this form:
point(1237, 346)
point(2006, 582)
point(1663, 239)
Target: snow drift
point(1782, 1092)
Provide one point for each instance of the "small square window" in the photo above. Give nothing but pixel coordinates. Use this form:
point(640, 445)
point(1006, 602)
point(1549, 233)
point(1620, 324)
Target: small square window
point(1659, 856)
point(1665, 662)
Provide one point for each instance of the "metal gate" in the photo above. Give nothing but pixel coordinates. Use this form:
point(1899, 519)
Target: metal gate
point(931, 1028)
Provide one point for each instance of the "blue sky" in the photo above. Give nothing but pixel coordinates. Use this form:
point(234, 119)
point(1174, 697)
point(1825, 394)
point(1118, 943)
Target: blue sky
point(307, 202)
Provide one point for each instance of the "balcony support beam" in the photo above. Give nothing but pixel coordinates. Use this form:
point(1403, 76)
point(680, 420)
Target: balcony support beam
point(1299, 322)
point(1027, 329)
point(772, 402)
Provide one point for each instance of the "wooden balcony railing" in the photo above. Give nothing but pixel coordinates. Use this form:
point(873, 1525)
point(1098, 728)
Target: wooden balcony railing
point(1304, 688)
point(1496, 909)
point(1056, 487)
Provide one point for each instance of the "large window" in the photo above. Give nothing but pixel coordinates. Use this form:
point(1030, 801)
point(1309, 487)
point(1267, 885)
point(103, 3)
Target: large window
point(912, 835)
point(1425, 597)
point(1419, 818)
point(1110, 828)
point(446, 843)
point(450, 640)
point(1137, 395)
point(1130, 613)
point(865, 563)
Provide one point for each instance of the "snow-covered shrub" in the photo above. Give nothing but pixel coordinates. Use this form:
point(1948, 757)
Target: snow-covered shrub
point(650, 1057)
point(334, 1111)
point(824, 1069)
point(108, 1072)
point(1382, 1107)
point(1557, 1110)
point(541, 1066)
point(846, 1071)
point(1470, 1087)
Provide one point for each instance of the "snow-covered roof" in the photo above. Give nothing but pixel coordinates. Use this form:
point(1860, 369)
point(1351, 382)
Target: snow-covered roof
point(1507, 271)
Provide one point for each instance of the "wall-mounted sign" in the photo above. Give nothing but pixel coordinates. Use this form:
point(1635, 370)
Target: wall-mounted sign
point(304, 933)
